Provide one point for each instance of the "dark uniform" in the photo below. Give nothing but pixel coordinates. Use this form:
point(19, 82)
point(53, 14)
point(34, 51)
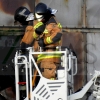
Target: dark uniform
point(25, 18)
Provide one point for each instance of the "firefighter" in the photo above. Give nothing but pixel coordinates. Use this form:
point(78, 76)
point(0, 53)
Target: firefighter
point(25, 18)
point(48, 32)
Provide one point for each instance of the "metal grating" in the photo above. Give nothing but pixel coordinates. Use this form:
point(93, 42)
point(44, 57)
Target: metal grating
point(54, 86)
point(42, 92)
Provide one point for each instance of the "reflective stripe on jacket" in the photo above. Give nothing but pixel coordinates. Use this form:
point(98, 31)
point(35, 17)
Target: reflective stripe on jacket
point(52, 38)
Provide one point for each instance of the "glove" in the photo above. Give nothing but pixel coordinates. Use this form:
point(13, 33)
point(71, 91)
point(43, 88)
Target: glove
point(23, 47)
point(41, 42)
point(40, 29)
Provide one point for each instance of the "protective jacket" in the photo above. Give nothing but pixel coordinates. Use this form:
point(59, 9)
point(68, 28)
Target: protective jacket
point(52, 38)
point(28, 38)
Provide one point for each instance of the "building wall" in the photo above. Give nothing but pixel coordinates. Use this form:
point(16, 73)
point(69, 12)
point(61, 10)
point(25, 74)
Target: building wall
point(93, 39)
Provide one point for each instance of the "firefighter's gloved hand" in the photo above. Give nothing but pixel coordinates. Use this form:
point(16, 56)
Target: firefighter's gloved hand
point(41, 42)
point(23, 49)
point(39, 28)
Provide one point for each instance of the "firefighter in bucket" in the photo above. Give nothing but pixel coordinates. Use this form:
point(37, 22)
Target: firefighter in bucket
point(48, 33)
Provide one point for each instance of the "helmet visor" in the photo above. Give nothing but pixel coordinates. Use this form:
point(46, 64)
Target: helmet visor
point(30, 17)
point(38, 17)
